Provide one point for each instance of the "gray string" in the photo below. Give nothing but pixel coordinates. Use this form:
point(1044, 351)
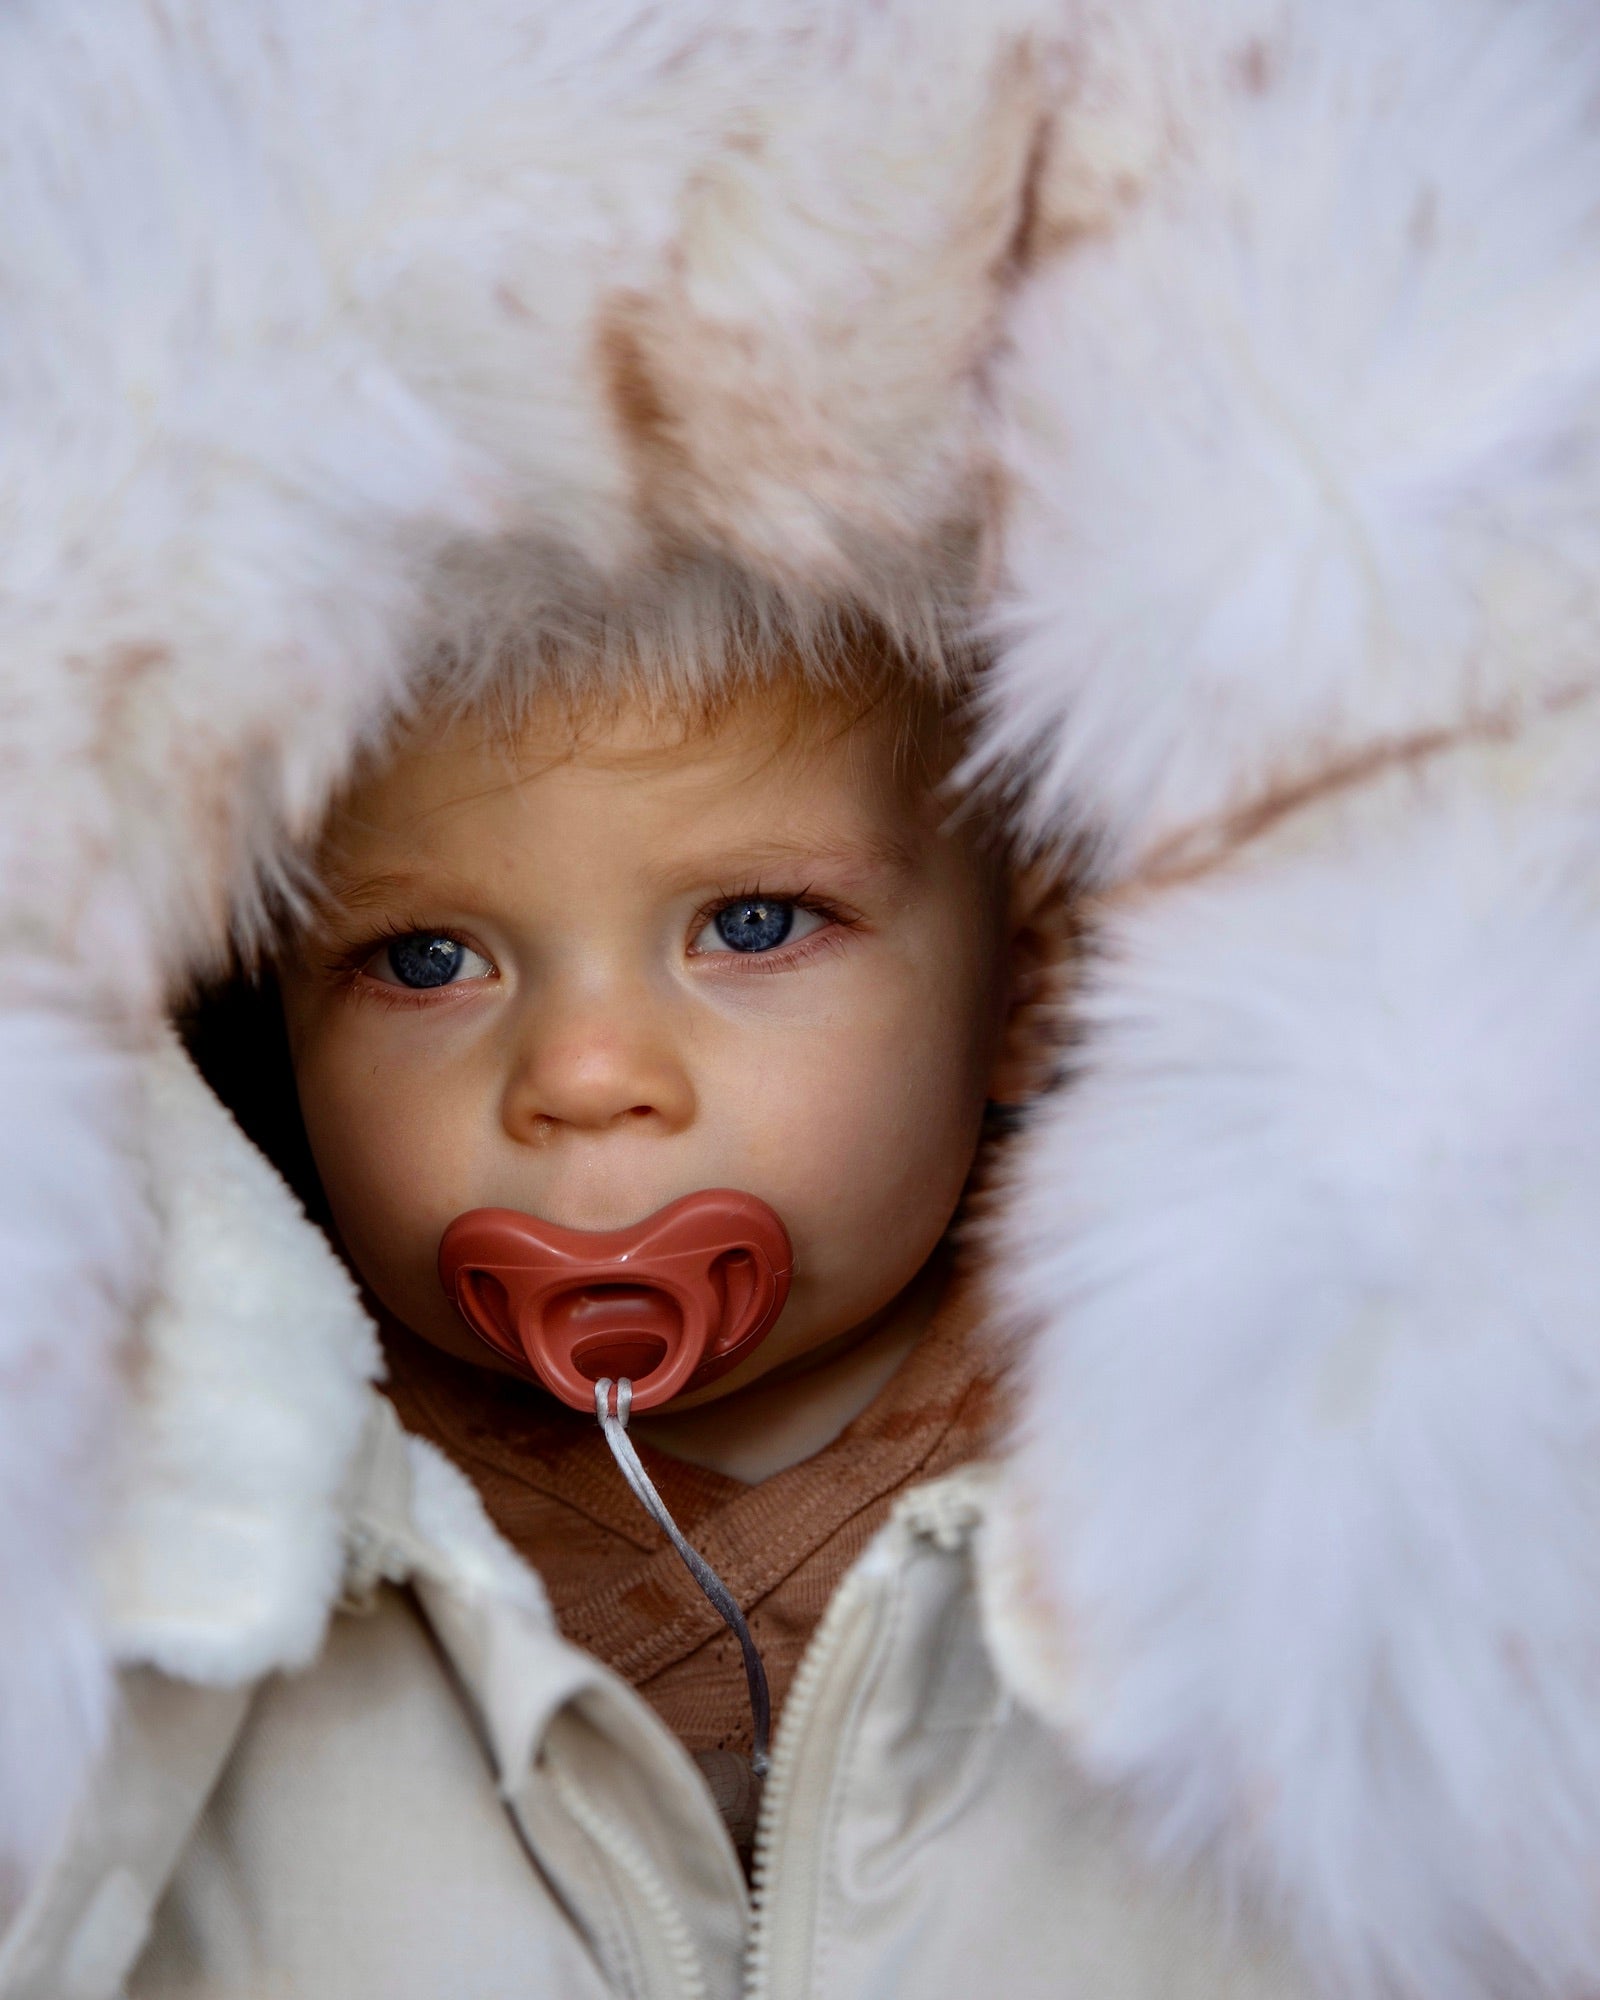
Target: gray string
point(615, 1426)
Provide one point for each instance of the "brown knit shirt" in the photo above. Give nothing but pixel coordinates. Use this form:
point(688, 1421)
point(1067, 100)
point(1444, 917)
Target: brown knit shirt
point(617, 1587)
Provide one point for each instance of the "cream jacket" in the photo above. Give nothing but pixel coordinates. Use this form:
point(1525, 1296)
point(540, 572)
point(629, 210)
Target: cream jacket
point(453, 1801)
point(447, 1801)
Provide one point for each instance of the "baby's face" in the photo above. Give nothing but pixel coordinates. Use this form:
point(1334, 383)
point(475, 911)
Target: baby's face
point(594, 969)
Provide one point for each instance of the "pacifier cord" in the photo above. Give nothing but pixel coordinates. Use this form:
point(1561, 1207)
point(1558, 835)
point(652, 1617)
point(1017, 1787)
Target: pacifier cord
point(612, 1411)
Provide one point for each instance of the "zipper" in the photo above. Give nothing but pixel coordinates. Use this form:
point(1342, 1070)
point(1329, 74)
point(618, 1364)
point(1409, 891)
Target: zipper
point(829, 1680)
point(832, 1667)
point(618, 1850)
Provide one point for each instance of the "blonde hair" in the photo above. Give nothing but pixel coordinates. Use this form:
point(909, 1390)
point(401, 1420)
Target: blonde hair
point(692, 655)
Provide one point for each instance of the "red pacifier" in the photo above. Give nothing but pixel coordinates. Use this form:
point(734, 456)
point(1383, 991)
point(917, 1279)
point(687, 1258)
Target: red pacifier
point(668, 1304)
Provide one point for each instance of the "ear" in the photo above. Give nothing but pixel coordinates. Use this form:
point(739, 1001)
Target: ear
point(1041, 949)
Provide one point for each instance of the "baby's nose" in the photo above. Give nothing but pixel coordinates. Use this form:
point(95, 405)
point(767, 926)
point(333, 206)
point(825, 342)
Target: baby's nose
point(589, 1076)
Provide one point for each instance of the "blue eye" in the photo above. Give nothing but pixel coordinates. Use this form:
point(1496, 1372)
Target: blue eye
point(750, 925)
point(425, 961)
point(758, 923)
point(427, 958)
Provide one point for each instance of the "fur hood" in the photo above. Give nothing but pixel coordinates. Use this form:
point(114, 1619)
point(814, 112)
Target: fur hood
point(1236, 364)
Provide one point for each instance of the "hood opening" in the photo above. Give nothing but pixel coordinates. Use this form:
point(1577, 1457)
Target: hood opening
point(235, 1035)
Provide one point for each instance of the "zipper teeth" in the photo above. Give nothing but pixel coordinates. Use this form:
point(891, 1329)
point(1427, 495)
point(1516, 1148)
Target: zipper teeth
point(946, 1514)
point(785, 1756)
point(617, 1845)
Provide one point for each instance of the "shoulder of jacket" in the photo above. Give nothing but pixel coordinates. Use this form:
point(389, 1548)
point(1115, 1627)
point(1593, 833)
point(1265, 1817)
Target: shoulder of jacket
point(86, 1917)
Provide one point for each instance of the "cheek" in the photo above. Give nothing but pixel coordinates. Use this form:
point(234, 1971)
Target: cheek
point(869, 1125)
point(386, 1146)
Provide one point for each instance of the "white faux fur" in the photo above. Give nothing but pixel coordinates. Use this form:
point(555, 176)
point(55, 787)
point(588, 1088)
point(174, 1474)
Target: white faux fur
point(250, 1387)
point(76, 1235)
point(1305, 580)
point(447, 1512)
point(1308, 444)
point(1313, 1465)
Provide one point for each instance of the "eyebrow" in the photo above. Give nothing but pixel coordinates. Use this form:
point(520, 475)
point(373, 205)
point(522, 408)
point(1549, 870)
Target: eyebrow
point(354, 890)
point(874, 852)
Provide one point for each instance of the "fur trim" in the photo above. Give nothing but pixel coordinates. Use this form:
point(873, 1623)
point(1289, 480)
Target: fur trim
point(1307, 444)
point(76, 1236)
point(250, 1390)
point(1311, 1476)
point(448, 1514)
point(1305, 623)
point(586, 316)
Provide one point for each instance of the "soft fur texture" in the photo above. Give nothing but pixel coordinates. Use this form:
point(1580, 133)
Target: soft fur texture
point(1238, 364)
point(1321, 1395)
point(249, 1389)
point(77, 1237)
point(1305, 591)
point(1308, 444)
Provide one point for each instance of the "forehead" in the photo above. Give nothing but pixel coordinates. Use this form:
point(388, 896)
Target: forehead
point(771, 762)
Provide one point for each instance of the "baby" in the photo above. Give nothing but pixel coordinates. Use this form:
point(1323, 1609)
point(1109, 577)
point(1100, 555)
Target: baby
point(622, 949)
point(582, 961)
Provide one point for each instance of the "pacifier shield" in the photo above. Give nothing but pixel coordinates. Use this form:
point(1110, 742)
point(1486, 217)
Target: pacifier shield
point(671, 1302)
